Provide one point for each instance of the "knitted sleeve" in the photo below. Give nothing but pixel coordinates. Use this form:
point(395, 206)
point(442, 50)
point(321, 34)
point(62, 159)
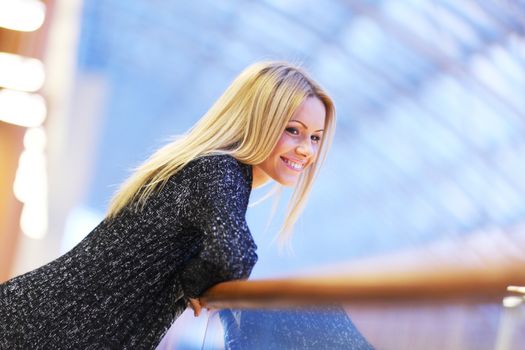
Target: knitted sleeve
point(216, 212)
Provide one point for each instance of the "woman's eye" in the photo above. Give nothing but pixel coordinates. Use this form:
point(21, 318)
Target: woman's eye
point(316, 138)
point(292, 131)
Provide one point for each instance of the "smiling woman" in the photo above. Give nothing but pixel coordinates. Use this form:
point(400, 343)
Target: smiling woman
point(297, 147)
point(177, 226)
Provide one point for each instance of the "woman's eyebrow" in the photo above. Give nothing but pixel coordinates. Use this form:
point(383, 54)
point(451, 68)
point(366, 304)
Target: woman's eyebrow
point(303, 124)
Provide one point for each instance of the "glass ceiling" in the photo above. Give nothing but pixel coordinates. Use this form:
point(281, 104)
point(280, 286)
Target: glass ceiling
point(430, 98)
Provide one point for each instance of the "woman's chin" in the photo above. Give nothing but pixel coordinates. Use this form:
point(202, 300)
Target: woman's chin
point(289, 182)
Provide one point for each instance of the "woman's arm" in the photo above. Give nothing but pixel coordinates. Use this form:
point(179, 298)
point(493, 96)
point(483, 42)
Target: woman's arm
point(217, 212)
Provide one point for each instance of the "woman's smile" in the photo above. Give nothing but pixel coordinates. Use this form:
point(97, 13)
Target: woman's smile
point(294, 164)
point(297, 147)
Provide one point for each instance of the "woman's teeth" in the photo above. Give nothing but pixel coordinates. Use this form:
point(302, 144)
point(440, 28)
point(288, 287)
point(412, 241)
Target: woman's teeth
point(294, 165)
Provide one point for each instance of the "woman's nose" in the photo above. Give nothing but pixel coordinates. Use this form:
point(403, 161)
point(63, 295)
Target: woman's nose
point(305, 148)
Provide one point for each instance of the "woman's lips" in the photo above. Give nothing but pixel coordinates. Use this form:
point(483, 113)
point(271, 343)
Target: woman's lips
point(293, 164)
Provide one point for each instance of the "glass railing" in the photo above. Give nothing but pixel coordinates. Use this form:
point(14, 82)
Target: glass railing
point(457, 308)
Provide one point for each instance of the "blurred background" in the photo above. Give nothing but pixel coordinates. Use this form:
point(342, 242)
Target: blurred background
point(430, 142)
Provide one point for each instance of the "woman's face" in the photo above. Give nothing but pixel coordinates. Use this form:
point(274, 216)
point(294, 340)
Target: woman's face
point(297, 147)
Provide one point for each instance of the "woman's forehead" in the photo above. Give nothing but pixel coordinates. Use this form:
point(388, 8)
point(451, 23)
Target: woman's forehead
point(311, 114)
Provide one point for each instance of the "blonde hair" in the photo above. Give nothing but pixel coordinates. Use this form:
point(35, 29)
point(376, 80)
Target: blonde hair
point(246, 122)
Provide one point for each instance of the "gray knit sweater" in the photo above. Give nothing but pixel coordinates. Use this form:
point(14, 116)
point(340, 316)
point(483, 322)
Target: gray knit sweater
point(129, 279)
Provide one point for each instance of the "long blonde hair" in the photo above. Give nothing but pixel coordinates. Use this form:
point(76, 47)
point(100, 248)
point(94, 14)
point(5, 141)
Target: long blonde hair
point(246, 122)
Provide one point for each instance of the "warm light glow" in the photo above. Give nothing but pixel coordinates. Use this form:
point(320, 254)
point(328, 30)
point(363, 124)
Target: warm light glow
point(33, 220)
point(512, 301)
point(31, 180)
point(517, 289)
point(35, 139)
point(22, 108)
point(22, 15)
point(21, 73)
point(30, 185)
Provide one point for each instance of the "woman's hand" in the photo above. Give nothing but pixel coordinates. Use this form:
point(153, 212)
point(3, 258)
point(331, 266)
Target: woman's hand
point(196, 306)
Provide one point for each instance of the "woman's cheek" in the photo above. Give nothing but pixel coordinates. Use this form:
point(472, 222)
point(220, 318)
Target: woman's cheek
point(283, 144)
